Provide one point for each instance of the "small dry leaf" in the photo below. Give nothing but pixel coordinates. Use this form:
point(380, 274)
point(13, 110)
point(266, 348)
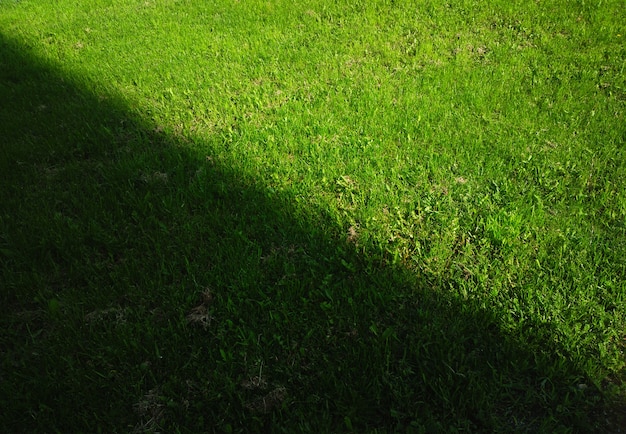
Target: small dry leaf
point(155, 177)
point(200, 314)
point(353, 235)
point(160, 176)
point(345, 181)
point(255, 382)
point(150, 409)
point(111, 315)
point(268, 402)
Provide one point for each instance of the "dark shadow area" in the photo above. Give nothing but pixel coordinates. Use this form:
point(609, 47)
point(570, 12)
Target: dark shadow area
point(150, 287)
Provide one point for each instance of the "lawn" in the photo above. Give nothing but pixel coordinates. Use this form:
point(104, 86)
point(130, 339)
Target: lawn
point(315, 216)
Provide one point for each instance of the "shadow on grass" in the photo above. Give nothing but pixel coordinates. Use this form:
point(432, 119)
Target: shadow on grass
point(148, 285)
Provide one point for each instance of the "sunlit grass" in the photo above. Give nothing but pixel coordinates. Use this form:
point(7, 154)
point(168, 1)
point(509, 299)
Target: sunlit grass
point(321, 216)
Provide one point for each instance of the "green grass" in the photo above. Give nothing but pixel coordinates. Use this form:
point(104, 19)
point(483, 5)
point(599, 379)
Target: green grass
point(314, 216)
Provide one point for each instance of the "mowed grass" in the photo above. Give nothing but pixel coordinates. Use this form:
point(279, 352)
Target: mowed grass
point(316, 216)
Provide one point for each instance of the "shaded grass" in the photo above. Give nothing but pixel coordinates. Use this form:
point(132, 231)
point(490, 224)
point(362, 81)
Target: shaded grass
point(377, 217)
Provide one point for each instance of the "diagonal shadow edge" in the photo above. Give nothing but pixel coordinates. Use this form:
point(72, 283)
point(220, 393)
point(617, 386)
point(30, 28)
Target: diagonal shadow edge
point(100, 210)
